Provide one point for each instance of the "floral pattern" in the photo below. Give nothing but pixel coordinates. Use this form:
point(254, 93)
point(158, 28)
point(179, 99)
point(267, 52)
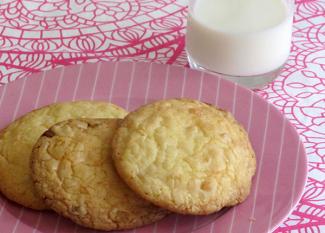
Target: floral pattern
point(37, 35)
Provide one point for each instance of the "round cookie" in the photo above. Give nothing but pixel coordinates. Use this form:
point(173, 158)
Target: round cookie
point(185, 156)
point(73, 171)
point(18, 139)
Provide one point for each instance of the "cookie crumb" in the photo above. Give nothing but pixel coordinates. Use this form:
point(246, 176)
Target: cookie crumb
point(252, 219)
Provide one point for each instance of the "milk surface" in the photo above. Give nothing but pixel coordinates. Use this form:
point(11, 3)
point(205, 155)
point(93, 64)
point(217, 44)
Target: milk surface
point(239, 37)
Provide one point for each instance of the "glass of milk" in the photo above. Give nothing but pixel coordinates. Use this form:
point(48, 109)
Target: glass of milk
point(246, 41)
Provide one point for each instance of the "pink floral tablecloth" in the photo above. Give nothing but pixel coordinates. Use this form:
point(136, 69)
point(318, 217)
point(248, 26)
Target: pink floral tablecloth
point(37, 35)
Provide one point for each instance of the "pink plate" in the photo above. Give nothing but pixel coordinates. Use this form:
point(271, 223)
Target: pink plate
point(281, 160)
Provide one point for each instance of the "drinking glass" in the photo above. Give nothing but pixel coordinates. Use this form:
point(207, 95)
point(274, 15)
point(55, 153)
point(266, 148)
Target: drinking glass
point(247, 42)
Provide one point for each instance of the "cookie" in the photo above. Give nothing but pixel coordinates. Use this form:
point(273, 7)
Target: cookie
point(73, 171)
point(18, 139)
point(185, 156)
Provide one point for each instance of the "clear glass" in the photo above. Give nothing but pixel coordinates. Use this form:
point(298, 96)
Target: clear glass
point(247, 42)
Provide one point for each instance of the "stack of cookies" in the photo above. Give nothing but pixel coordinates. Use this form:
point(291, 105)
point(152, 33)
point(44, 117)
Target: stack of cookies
point(108, 170)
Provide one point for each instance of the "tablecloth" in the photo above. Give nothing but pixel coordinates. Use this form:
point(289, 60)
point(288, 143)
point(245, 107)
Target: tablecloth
point(37, 35)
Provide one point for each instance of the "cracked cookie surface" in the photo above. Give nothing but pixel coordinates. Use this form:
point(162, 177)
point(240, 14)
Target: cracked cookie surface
point(18, 139)
point(73, 171)
point(184, 155)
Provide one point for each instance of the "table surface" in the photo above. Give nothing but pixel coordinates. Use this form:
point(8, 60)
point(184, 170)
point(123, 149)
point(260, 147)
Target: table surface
point(39, 35)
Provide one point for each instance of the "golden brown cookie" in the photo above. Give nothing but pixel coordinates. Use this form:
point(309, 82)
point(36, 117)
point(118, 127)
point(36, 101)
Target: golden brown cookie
point(73, 171)
point(185, 156)
point(18, 139)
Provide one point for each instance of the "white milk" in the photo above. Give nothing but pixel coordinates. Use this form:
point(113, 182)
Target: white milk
point(239, 37)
